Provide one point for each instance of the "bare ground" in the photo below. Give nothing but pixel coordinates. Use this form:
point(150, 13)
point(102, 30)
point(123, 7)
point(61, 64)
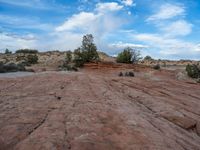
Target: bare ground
point(94, 109)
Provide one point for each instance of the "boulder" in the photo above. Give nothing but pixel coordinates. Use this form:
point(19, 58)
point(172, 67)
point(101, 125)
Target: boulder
point(2, 70)
point(11, 67)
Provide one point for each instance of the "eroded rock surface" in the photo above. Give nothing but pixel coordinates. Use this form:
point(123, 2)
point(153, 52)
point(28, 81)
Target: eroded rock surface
point(97, 110)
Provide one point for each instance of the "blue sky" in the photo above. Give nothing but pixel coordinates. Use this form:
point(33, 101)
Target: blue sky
point(167, 29)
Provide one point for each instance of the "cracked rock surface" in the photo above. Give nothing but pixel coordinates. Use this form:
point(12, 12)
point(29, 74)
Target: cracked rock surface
point(97, 110)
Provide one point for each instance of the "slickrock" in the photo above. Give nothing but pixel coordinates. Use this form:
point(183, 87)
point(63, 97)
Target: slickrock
point(99, 110)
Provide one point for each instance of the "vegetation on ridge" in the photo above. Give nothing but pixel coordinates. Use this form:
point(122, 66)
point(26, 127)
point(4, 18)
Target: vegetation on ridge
point(129, 55)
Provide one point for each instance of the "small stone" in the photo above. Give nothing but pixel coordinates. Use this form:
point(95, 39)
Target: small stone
point(58, 97)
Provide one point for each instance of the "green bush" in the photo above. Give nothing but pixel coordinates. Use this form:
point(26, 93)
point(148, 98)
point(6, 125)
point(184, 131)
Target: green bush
point(68, 64)
point(78, 58)
point(29, 51)
point(128, 56)
point(149, 58)
point(68, 67)
point(87, 52)
point(7, 51)
point(193, 71)
point(32, 58)
point(156, 67)
point(68, 57)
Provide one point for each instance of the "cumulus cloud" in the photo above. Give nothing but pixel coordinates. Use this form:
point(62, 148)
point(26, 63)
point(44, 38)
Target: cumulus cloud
point(110, 6)
point(176, 28)
point(121, 45)
point(128, 2)
point(158, 41)
point(103, 20)
point(14, 41)
point(82, 20)
point(171, 25)
point(197, 48)
point(61, 41)
point(168, 46)
point(99, 22)
point(167, 11)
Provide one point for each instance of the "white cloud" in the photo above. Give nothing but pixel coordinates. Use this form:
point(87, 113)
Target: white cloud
point(161, 42)
point(167, 42)
point(82, 20)
point(179, 27)
point(129, 13)
point(110, 6)
point(56, 41)
point(121, 45)
point(13, 41)
point(167, 11)
point(61, 41)
point(100, 22)
point(128, 2)
point(152, 39)
point(197, 48)
point(167, 46)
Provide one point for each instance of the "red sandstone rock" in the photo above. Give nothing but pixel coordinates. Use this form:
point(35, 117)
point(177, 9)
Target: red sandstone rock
point(99, 111)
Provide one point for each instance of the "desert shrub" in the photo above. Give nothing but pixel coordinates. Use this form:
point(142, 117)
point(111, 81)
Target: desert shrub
point(7, 51)
point(128, 56)
point(11, 67)
point(193, 71)
point(87, 52)
point(156, 67)
point(148, 58)
point(89, 49)
point(69, 67)
point(120, 74)
point(126, 74)
point(68, 57)
point(68, 64)
point(21, 67)
point(131, 74)
point(29, 51)
point(164, 64)
point(2, 70)
point(20, 58)
point(78, 58)
point(32, 58)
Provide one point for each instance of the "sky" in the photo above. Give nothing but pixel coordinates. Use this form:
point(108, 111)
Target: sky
point(166, 29)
